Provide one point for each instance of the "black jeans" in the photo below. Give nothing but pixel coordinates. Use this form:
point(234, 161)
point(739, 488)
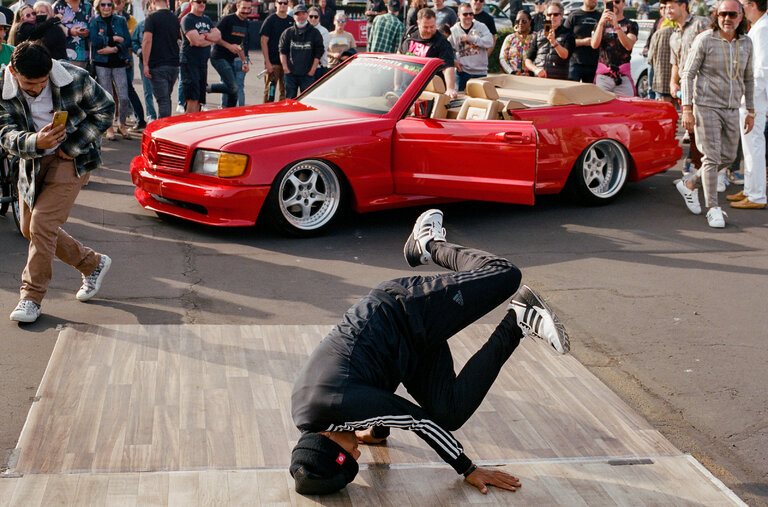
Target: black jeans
point(583, 73)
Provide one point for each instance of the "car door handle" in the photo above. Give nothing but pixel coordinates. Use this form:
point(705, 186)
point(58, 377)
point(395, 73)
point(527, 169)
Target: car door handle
point(514, 137)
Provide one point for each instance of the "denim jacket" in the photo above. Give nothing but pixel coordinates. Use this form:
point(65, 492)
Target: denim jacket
point(99, 40)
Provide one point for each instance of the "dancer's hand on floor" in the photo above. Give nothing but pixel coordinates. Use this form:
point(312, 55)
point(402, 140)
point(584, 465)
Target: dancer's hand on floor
point(482, 477)
point(366, 437)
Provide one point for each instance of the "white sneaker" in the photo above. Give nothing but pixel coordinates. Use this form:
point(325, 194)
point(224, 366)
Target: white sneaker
point(428, 227)
point(691, 197)
point(722, 180)
point(180, 109)
point(92, 282)
point(26, 311)
point(536, 318)
point(716, 217)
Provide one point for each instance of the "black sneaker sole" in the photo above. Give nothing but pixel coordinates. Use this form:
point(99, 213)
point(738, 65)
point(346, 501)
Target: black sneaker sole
point(531, 298)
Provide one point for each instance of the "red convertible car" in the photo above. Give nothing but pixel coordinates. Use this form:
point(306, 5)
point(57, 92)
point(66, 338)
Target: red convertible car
point(378, 132)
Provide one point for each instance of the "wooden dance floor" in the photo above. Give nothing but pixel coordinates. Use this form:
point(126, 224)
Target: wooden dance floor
point(200, 415)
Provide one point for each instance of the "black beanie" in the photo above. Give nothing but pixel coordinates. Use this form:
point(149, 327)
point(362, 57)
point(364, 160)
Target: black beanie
point(320, 466)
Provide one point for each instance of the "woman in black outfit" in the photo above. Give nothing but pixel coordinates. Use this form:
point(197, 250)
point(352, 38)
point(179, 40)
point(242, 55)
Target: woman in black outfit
point(39, 24)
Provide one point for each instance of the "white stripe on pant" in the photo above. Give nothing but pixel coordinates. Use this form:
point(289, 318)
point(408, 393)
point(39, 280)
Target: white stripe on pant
point(717, 137)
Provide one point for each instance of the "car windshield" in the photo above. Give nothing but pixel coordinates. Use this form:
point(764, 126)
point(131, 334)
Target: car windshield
point(368, 85)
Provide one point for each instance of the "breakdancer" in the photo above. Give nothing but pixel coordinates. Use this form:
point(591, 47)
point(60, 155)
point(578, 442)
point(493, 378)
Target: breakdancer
point(398, 334)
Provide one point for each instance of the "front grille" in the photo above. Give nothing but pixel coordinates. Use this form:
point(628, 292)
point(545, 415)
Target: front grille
point(169, 156)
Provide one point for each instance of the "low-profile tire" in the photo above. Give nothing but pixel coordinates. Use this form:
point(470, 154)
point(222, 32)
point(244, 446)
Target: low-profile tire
point(305, 199)
point(643, 86)
point(600, 173)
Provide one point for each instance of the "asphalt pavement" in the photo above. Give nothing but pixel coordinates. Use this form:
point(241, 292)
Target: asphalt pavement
point(667, 312)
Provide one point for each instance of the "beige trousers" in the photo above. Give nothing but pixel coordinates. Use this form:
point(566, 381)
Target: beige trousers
point(42, 226)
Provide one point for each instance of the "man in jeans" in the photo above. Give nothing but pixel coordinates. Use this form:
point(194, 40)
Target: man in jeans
point(470, 40)
point(301, 47)
point(160, 52)
point(271, 30)
point(53, 163)
point(230, 54)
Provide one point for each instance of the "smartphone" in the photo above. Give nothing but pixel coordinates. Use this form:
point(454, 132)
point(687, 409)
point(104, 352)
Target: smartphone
point(547, 26)
point(60, 118)
point(609, 5)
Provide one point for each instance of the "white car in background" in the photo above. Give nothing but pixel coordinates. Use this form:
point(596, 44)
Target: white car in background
point(639, 62)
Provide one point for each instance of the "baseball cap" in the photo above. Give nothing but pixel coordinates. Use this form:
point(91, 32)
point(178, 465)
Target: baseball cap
point(3, 21)
point(300, 8)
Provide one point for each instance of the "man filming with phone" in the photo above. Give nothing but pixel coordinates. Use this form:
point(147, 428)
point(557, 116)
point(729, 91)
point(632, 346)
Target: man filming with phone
point(614, 37)
point(55, 152)
point(551, 47)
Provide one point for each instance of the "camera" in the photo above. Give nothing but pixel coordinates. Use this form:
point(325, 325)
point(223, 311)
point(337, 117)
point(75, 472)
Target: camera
point(609, 5)
point(547, 26)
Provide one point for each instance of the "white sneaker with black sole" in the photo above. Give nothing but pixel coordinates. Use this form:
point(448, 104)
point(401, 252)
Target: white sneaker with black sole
point(536, 318)
point(691, 197)
point(92, 282)
point(26, 311)
point(428, 227)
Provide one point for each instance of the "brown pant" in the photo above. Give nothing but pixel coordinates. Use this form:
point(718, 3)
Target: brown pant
point(277, 76)
point(42, 226)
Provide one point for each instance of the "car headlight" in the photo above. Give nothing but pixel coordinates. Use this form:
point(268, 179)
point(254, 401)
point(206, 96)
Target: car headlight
point(219, 163)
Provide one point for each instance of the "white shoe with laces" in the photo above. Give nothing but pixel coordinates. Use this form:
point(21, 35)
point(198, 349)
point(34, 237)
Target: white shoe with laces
point(92, 282)
point(716, 217)
point(536, 318)
point(691, 197)
point(428, 227)
point(722, 180)
point(26, 311)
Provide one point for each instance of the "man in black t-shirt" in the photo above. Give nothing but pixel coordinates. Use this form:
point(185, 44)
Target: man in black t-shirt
point(484, 18)
point(428, 42)
point(301, 47)
point(581, 23)
point(230, 54)
point(199, 35)
point(160, 54)
point(270, 33)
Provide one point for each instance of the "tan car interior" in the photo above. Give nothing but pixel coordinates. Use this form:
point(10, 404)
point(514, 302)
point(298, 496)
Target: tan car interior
point(492, 97)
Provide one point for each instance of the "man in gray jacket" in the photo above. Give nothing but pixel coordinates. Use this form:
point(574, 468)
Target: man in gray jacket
point(717, 74)
point(470, 40)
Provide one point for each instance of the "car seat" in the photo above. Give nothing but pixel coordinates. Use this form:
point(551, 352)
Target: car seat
point(435, 91)
point(481, 102)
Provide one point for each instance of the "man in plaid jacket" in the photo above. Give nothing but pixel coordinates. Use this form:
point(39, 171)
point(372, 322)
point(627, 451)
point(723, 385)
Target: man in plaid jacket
point(52, 161)
point(386, 30)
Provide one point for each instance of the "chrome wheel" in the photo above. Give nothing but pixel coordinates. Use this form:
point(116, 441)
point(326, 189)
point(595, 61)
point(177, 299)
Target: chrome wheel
point(643, 86)
point(308, 196)
point(603, 171)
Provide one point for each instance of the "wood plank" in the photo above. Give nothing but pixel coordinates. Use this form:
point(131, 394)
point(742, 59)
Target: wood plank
point(666, 480)
point(193, 399)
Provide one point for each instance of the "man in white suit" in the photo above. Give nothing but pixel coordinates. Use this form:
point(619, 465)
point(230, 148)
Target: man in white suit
point(753, 142)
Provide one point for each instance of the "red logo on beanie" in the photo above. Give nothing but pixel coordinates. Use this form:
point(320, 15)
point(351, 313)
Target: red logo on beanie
point(341, 458)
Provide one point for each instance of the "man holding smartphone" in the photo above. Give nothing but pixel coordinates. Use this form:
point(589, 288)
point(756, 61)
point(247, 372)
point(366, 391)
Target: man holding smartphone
point(53, 161)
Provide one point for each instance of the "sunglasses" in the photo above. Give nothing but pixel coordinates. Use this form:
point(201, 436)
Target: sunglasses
point(521, 21)
point(467, 14)
point(728, 14)
point(554, 15)
point(29, 15)
point(314, 16)
point(102, 4)
point(341, 20)
point(282, 3)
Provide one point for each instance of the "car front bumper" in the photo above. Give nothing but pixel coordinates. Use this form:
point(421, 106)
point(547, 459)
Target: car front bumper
point(196, 200)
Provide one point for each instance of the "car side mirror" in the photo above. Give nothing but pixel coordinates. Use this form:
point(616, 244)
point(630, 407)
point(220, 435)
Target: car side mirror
point(422, 108)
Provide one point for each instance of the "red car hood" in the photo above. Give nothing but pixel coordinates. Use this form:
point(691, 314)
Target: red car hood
point(216, 129)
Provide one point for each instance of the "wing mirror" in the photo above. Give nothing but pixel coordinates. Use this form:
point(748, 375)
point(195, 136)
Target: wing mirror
point(422, 108)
